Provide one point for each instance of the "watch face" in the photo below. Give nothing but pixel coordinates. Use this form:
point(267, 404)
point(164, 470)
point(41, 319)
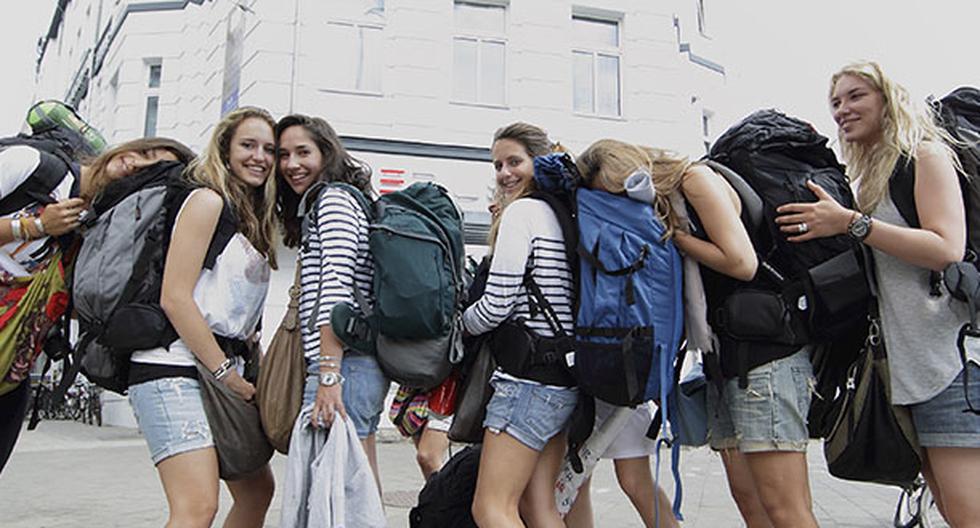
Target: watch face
point(859, 228)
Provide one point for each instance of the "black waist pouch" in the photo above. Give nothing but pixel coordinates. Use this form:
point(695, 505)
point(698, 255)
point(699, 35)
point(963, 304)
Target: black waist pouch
point(760, 316)
point(520, 352)
point(839, 296)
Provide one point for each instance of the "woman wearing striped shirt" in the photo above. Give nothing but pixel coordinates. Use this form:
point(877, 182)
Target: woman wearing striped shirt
point(334, 258)
point(523, 442)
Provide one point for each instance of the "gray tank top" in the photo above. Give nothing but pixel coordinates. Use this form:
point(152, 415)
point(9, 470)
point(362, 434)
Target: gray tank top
point(920, 331)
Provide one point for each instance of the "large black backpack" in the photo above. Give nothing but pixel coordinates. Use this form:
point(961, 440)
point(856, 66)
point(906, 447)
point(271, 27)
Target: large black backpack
point(447, 497)
point(809, 292)
point(959, 114)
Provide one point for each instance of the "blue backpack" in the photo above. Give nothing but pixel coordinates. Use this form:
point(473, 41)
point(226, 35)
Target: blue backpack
point(629, 315)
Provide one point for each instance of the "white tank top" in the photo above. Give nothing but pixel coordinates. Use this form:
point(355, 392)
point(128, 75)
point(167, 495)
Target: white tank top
point(230, 296)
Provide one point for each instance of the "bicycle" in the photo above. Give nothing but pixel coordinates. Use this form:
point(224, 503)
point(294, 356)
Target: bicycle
point(916, 508)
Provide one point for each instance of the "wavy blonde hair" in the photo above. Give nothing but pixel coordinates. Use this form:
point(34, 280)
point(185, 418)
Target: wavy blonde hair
point(608, 163)
point(255, 208)
point(535, 141)
point(98, 178)
point(904, 126)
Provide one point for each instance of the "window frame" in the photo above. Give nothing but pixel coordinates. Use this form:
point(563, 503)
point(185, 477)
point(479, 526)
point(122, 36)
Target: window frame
point(371, 20)
point(151, 92)
point(481, 37)
point(596, 51)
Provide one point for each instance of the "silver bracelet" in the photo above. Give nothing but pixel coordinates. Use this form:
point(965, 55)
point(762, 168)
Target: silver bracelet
point(223, 369)
point(39, 225)
point(15, 229)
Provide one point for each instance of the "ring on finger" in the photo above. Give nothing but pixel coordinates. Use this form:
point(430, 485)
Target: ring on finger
point(802, 227)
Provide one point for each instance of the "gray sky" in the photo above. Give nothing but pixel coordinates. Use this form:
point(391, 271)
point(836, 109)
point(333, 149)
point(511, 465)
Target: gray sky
point(21, 23)
point(778, 53)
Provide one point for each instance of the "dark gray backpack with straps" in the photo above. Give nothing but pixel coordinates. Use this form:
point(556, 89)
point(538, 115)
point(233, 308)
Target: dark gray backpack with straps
point(414, 326)
point(119, 271)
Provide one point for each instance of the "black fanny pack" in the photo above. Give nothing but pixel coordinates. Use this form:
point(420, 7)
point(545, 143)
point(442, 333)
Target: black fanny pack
point(520, 352)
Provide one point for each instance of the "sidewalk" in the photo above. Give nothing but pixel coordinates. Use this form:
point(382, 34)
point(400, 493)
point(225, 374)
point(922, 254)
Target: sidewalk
point(66, 474)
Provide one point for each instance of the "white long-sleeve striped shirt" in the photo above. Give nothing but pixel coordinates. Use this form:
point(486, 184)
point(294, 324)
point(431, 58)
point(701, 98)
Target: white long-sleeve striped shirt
point(334, 259)
point(530, 236)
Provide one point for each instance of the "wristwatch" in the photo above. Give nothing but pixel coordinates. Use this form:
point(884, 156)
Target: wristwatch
point(859, 228)
point(329, 379)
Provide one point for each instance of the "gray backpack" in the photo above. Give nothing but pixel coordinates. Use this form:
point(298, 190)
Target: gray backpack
point(119, 271)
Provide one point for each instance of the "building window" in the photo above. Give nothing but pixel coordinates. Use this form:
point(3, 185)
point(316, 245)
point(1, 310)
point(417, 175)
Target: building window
point(702, 25)
point(357, 31)
point(706, 116)
point(596, 70)
point(479, 53)
point(152, 110)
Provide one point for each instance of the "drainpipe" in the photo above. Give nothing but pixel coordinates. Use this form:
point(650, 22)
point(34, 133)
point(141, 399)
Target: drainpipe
point(292, 73)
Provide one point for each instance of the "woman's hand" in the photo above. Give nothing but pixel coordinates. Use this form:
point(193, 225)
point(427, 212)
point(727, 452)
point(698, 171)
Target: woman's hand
point(328, 403)
point(62, 216)
point(807, 221)
point(239, 386)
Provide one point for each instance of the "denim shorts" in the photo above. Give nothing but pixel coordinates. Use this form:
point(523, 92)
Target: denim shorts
point(532, 413)
point(941, 422)
point(768, 415)
point(363, 391)
point(171, 416)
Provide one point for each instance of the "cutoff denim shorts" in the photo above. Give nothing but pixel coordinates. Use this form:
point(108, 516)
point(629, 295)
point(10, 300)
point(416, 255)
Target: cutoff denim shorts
point(768, 415)
point(171, 416)
point(532, 413)
point(363, 391)
point(941, 422)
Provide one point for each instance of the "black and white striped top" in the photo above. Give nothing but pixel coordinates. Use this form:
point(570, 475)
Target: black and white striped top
point(335, 257)
point(529, 237)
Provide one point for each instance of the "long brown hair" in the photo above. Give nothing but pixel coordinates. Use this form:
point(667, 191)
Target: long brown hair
point(338, 166)
point(535, 141)
point(96, 168)
point(255, 208)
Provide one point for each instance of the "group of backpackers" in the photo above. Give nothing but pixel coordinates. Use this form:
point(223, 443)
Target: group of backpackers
point(758, 261)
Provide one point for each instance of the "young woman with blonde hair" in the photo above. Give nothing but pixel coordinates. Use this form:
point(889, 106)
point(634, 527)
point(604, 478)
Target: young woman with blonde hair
point(882, 133)
point(523, 441)
point(232, 184)
point(754, 459)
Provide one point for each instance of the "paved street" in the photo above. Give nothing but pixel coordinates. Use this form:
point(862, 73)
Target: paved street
point(66, 474)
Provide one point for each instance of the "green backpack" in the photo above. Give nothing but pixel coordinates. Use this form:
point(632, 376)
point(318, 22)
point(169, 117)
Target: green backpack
point(415, 326)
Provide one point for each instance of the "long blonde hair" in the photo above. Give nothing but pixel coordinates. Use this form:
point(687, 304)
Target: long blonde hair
point(904, 126)
point(607, 164)
point(535, 141)
point(255, 208)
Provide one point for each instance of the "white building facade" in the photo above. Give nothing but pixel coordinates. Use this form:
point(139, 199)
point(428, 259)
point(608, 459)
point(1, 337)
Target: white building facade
point(415, 87)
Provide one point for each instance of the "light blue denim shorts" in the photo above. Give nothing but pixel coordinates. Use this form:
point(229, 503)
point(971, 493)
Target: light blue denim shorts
point(363, 391)
point(941, 422)
point(171, 416)
point(532, 413)
point(768, 415)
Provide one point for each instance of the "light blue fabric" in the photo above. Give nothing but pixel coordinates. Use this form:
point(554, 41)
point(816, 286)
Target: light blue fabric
point(329, 482)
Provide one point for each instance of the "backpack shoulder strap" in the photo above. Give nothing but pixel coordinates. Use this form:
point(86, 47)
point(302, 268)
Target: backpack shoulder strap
point(356, 193)
point(901, 188)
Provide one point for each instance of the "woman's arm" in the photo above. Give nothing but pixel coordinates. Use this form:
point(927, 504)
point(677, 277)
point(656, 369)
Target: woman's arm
point(185, 259)
point(510, 254)
point(16, 166)
point(939, 242)
point(728, 249)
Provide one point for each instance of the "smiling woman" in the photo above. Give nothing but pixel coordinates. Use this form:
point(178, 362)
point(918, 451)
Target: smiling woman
point(215, 309)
